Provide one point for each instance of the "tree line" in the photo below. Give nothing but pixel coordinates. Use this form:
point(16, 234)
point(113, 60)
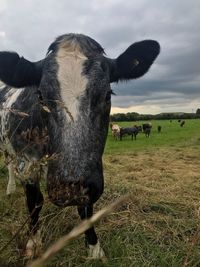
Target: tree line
point(134, 116)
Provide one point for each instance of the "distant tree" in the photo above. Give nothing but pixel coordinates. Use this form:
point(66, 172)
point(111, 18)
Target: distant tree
point(134, 116)
point(198, 111)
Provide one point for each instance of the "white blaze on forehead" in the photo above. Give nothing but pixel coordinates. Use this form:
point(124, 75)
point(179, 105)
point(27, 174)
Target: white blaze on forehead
point(72, 82)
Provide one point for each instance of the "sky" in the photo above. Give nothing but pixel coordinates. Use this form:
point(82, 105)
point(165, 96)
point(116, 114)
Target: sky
point(173, 82)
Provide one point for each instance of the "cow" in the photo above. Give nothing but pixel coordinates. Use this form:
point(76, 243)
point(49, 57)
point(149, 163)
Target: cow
point(139, 127)
point(147, 132)
point(133, 131)
point(182, 123)
point(146, 125)
point(159, 128)
point(54, 117)
point(147, 128)
point(115, 131)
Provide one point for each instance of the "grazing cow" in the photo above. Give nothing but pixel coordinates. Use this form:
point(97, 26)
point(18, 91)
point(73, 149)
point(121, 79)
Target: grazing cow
point(146, 125)
point(147, 131)
point(115, 131)
point(182, 123)
point(159, 129)
point(147, 128)
point(139, 127)
point(133, 131)
point(54, 120)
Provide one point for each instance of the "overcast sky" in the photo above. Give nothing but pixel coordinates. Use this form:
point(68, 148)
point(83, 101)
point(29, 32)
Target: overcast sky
point(173, 82)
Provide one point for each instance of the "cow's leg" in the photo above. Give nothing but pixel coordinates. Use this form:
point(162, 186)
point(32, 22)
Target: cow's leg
point(35, 200)
point(11, 187)
point(95, 250)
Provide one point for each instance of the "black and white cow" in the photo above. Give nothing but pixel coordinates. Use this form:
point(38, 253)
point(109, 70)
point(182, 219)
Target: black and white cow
point(133, 131)
point(55, 115)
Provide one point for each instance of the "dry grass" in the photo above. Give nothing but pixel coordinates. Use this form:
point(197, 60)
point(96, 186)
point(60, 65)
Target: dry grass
point(76, 232)
point(156, 227)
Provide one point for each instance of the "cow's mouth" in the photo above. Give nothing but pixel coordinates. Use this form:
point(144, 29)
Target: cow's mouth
point(69, 194)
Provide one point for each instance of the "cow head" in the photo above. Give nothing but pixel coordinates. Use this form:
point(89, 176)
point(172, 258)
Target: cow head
point(74, 84)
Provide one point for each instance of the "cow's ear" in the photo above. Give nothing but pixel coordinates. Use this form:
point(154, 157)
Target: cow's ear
point(135, 61)
point(18, 72)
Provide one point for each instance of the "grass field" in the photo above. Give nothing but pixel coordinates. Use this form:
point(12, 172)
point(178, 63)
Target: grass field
point(157, 226)
point(171, 135)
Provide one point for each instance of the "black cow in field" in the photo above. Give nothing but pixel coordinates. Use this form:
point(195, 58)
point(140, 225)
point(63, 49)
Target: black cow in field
point(54, 117)
point(182, 123)
point(133, 131)
point(146, 125)
point(147, 129)
point(159, 129)
point(147, 132)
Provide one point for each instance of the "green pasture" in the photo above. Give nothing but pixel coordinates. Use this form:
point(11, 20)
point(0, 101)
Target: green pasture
point(171, 135)
point(158, 226)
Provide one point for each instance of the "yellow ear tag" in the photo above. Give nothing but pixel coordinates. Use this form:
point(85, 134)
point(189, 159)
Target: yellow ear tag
point(135, 62)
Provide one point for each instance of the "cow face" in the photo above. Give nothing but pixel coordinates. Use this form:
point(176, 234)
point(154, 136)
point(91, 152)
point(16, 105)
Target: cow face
point(74, 85)
point(76, 89)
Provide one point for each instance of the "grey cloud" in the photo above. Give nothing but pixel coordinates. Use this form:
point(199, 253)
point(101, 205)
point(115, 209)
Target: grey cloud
point(28, 27)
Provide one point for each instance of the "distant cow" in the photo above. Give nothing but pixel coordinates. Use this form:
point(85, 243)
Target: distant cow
point(139, 127)
point(147, 131)
point(115, 131)
point(147, 128)
point(146, 125)
point(182, 123)
point(133, 131)
point(159, 129)
point(54, 119)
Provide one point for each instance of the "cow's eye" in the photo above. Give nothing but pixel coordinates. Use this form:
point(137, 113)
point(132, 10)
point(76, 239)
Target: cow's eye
point(108, 96)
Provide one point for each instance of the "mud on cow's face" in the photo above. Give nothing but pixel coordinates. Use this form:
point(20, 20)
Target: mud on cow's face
point(74, 84)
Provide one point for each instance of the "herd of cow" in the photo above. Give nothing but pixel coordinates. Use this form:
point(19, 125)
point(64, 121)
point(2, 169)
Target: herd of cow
point(118, 132)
